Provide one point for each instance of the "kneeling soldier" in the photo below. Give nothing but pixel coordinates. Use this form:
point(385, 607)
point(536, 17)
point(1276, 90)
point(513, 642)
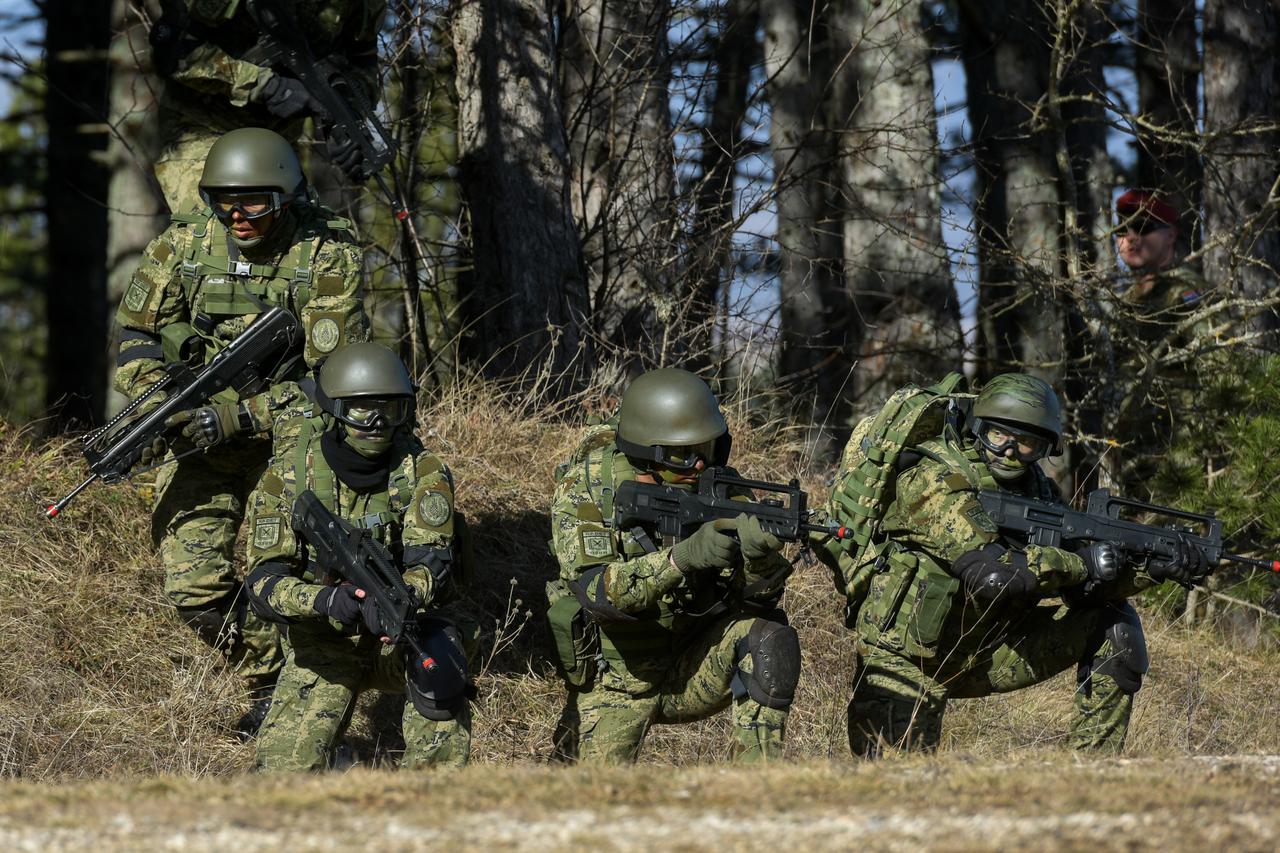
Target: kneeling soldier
point(355, 450)
point(650, 631)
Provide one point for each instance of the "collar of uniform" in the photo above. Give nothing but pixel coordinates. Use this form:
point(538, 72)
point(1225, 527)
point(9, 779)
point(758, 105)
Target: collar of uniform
point(355, 471)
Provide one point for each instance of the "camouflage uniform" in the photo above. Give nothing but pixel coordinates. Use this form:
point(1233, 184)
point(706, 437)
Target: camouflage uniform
point(325, 668)
point(216, 76)
point(1153, 399)
point(185, 285)
point(923, 640)
point(659, 645)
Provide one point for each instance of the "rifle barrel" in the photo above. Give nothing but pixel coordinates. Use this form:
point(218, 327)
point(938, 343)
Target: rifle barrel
point(1269, 565)
point(52, 511)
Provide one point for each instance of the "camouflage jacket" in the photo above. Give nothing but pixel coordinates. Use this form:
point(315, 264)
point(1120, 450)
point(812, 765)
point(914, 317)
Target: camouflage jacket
point(413, 515)
point(215, 72)
point(185, 278)
point(935, 517)
point(613, 566)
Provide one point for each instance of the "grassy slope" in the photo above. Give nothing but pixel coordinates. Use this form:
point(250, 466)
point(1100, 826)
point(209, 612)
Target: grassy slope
point(100, 680)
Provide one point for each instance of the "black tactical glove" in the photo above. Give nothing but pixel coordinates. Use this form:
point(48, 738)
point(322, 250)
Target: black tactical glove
point(340, 604)
point(346, 155)
point(286, 98)
point(1101, 560)
point(212, 425)
point(707, 548)
point(372, 619)
point(1187, 565)
point(756, 544)
point(988, 579)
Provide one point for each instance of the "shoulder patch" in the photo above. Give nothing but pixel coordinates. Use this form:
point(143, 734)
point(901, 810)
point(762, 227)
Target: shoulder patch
point(978, 517)
point(1189, 296)
point(329, 285)
point(956, 482)
point(597, 543)
point(135, 298)
point(266, 532)
point(325, 334)
point(433, 509)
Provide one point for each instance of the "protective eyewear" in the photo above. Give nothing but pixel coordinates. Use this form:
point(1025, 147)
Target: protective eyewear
point(999, 439)
point(252, 205)
point(686, 458)
point(1144, 225)
point(371, 413)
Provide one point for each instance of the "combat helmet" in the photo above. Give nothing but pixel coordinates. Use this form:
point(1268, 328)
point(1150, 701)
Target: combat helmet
point(252, 158)
point(365, 385)
point(670, 417)
point(1022, 402)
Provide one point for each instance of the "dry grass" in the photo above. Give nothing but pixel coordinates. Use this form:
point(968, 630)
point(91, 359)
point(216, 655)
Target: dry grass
point(101, 680)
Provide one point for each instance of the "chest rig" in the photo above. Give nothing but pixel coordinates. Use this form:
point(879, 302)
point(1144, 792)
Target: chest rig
point(380, 512)
point(219, 285)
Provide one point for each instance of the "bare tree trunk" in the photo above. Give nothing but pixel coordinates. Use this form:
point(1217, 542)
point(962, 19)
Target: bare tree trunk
point(1168, 68)
point(614, 75)
point(1240, 186)
point(1006, 57)
point(528, 305)
point(815, 314)
point(895, 261)
point(76, 40)
point(135, 205)
point(732, 52)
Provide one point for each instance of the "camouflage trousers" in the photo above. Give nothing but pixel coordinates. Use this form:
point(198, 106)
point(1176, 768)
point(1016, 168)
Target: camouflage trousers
point(323, 677)
point(898, 702)
point(606, 722)
point(200, 505)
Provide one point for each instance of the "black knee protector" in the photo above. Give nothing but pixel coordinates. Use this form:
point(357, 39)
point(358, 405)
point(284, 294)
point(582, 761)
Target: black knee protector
point(775, 664)
point(1126, 661)
point(219, 623)
point(436, 680)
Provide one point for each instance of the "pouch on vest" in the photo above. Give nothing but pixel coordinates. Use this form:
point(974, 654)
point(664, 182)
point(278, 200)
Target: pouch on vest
point(576, 639)
point(182, 345)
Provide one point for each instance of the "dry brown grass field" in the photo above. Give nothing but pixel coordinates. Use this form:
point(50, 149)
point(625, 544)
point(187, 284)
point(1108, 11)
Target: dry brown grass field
point(113, 717)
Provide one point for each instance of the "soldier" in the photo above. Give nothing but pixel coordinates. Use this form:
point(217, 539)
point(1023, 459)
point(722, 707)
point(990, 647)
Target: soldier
point(352, 444)
point(216, 77)
point(1149, 314)
point(953, 611)
point(200, 283)
point(658, 631)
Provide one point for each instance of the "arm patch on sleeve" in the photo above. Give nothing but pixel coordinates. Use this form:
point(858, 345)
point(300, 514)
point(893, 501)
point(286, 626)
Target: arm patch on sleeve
point(434, 510)
point(596, 544)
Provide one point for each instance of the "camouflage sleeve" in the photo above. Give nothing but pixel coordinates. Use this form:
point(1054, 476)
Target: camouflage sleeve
point(152, 300)
point(581, 542)
point(941, 515)
point(276, 402)
point(335, 315)
point(273, 546)
point(428, 530)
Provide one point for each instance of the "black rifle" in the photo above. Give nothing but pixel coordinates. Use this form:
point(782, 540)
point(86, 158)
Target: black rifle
point(245, 365)
point(349, 552)
point(677, 512)
point(350, 116)
point(1056, 525)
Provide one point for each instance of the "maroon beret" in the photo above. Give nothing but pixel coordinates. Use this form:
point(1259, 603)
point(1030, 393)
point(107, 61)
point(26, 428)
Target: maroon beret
point(1145, 203)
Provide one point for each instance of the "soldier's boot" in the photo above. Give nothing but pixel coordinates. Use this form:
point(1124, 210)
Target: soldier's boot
point(259, 704)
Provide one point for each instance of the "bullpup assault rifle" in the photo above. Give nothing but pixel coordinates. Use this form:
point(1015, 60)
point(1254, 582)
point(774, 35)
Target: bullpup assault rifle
point(244, 365)
point(677, 512)
point(1054, 525)
point(435, 661)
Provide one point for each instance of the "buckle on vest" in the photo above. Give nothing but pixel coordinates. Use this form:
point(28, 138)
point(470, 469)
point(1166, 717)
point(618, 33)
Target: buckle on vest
point(302, 275)
point(240, 268)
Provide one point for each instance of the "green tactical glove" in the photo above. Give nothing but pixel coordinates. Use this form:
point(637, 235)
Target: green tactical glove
point(708, 548)
point(212, 425)
point(756, 543)
point(153, 453)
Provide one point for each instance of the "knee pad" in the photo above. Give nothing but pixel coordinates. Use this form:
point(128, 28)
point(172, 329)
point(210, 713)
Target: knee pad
point(436, 680)
point(775, 664)
point(1126, 661)
point(219, 623)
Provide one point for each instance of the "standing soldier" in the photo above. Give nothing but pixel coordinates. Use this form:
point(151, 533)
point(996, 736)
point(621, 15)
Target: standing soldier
point(650, 631)
point(1156, 379)
point(259, 243)
point(352, 444)
point(952, 609)
point(216, 76)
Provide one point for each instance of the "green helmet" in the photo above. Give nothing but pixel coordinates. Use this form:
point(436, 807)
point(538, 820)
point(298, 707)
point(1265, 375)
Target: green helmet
point(368, 379)
point(1019, 399)
point(670, 408)
point(252, 158)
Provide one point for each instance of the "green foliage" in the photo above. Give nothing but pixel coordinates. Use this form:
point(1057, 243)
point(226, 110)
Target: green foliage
point(22, 251)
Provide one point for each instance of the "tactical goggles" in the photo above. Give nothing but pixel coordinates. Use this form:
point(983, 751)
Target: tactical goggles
point(1144, 225)
point(252, 205)
point(1000, 438)
point(371, 413)
point(680, 458)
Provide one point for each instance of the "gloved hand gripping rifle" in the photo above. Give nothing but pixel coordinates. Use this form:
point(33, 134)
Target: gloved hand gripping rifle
point(245, 363)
